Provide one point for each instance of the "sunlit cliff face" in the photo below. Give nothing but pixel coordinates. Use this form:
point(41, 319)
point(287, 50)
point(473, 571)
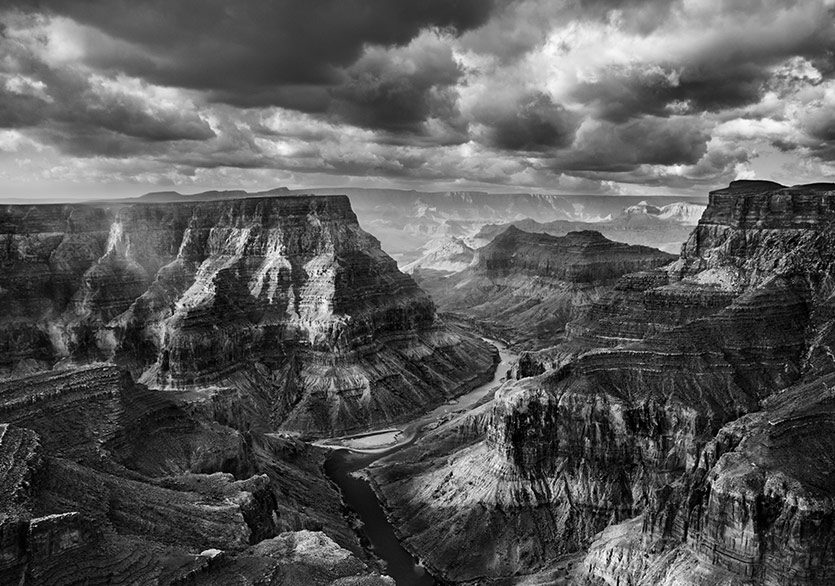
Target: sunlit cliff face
point(571, 96)
point(286, 298)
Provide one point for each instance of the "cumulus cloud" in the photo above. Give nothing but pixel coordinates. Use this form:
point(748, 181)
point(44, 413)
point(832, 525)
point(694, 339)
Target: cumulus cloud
point(249, 52)
point(84, 112)
point(400, 89)
point(605, 146)
point(527, 122)
point(589, 95)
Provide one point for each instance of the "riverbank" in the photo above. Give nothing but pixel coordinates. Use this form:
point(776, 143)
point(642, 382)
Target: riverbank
point(352, 454)
point(383, 440)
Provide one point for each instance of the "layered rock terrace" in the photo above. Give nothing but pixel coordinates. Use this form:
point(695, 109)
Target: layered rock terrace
point(525, 287)
point(285, 297)
point(626, 420)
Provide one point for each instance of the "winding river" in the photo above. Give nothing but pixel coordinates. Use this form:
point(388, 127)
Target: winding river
point(357, 493)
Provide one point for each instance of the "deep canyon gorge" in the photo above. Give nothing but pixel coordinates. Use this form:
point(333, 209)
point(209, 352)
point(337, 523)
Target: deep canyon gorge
point(177, 372)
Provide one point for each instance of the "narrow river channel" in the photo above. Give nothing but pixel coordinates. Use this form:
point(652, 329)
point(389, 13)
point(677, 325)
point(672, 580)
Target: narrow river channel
point(358, 495)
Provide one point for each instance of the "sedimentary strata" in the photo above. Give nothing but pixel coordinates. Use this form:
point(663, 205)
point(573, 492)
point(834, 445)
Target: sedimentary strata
point(526, 286)
point(286, 298)
point(627, 415)
point(106, 481)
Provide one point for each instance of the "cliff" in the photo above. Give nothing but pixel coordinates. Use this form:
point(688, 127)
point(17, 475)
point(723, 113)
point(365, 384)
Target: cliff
point(104, 480)
point(526, 286)
point(283, 297)
point(647, 378)
point(755, 508)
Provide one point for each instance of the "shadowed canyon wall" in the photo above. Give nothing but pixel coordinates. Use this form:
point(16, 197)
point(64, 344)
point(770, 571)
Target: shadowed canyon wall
point(286, 298)
point(629, 407)
point(525, 287)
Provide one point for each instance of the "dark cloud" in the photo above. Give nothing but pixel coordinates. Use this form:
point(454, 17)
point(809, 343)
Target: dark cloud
point(531, 122)
point(732, 70)
point(667, 89)
point(74, 107)
point(84, 141)
point(398, 90)
point(40, 96)
point(625, 147)
point(820, 124)
point(244, 51)
point(519, 26)
point(19, 111)
point(635, 16)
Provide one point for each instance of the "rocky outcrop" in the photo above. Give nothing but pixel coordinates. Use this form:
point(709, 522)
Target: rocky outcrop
point(525, 287)
point(755, 508)
point(644, 384)
point(448, 254)
point(105, 481)
point(286, 298)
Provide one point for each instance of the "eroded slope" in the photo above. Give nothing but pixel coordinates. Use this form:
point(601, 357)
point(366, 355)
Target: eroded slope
point(645, 382)
point(285, 298)
point(526, 286)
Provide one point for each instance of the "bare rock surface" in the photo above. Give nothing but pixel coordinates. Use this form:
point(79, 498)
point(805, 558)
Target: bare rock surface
point(105, 482)
point(645, 410)
point(756, 508)
point(154, 357)
point(525, 287)
point(285, 297)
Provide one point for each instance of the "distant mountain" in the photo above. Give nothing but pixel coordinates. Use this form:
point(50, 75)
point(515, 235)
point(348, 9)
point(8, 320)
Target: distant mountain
point(527, 286)
point(214, 195)
point(682, 212)
point(444, 254)
point(664, 227)
point(408, 223)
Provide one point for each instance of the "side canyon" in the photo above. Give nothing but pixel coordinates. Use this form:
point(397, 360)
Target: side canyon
point(162, 363)
point(684, 416)
point(166, 365)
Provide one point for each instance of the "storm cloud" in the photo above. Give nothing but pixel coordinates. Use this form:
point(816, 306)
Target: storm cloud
point(583, 94)
point(250, 52)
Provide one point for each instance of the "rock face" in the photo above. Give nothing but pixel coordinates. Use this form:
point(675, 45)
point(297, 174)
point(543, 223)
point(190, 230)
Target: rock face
point(448, 254)
point(658, 226)
point(630, 421)
point(756, 508)
point(104, 481)
point(286, 298)
point(526, 287)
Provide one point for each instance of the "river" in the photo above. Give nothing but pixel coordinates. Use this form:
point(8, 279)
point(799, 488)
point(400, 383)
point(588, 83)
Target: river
point(357, 493)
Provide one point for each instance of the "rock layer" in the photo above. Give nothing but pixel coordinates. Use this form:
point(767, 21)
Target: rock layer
point(756, 507)
point(105, 481)
point(646, 380)
point(284, 297)
point(525, 287)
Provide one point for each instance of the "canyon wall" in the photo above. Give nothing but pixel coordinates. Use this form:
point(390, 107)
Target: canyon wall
point(283, 297)
point(104, 481)
point(525, 287)
point(630, 409)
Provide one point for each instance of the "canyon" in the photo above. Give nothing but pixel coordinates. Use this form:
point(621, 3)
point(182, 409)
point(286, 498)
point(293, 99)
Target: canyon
point(166, 363)
point(285, 299)
point(524, 287)
point(161, 364)
point(676, 436)
point(106, 481)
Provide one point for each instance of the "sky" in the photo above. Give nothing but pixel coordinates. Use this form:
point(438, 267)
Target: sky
point(122, 97)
